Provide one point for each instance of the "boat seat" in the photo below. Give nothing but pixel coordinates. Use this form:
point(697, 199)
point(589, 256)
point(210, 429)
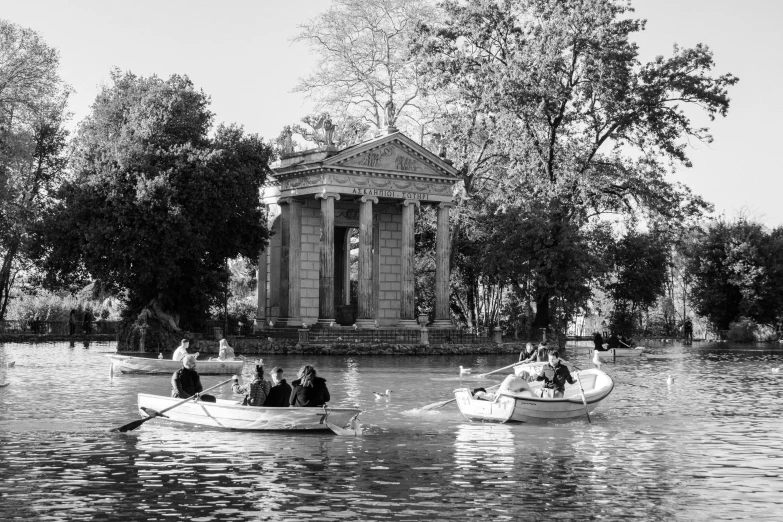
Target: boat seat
point(588, 384)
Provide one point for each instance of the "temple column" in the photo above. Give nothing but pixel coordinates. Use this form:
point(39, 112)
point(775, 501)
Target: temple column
point(285, 240)
point(326, 313)
point(366, 317)
point(442, 274)
point(407, 263)
point(347, 268)
point(261, 318)
point(295, 265)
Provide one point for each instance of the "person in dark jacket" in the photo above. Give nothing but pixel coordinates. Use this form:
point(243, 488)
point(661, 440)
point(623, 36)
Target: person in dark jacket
point(186, 382)
point(280, 393)
point(614, 341)
point(309, 390)
point(555, 374)
point(598, 342)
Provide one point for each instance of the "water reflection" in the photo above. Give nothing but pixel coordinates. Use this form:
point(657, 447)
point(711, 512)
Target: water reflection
point(705, 448)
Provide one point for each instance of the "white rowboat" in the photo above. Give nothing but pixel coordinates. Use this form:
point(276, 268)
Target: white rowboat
point(131, 364)
point(621, 352)
point(525, 406)
point(228, 414)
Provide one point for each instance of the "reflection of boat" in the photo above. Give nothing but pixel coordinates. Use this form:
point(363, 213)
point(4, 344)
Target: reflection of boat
point(525, 406)
point(230, 414)
point(131, 364)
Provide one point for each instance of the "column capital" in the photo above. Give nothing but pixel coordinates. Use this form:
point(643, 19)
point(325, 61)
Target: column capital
point(284, 201)
point(414, 202)
point(324, 195)
point(445, 205)
point(365, 199)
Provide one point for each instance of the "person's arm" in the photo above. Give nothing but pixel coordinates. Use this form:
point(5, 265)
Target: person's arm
point(199, 388)
point(327, 397)
point(176, 384)
point(568, 375)
point(292, 399)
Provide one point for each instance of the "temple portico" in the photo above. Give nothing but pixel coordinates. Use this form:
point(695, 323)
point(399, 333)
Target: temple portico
point(323, 204)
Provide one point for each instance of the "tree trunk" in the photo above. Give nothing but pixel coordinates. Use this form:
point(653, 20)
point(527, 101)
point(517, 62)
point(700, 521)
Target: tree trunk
point(542, 312)
point(5, 274)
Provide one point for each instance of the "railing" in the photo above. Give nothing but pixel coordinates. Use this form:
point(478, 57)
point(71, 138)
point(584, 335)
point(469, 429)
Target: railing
point(438, 336)
point(37, 327)
point(348, 334)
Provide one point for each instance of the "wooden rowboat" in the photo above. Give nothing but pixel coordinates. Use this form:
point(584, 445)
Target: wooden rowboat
point(621, 352)
point(131, 364)
point(525, 406)
point(229, 414)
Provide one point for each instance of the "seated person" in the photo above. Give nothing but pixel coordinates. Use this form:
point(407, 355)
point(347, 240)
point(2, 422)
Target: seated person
point(226, 353)
point(625, 342)
point(528, 355)
point(511, 384)
point(181, 351)
point(613, 341)
point(256, 390)
point(598, 342)
point(186, 382)
point(280, 392)
point(541, 352)
point(555, 375)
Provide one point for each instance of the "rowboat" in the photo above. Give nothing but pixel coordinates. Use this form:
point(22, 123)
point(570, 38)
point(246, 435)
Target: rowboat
point(232, 415)
point(131, 364)
point(525, 406)
point(622, 352)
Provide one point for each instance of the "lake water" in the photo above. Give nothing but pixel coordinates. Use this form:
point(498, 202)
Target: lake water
point(707, 447)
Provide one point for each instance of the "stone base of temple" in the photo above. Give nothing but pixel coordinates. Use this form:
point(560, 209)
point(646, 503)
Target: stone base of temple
point(289, 322)
point(259, 324)
point(442, 324)
point(366, 323)
point(408, 323)
point(324, 323)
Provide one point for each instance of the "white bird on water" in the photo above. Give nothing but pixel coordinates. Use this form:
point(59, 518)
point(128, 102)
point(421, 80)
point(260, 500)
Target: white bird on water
point(669, 380)
point(379, 395)
point(464, 371)
point(596, 359)
point(775, 370)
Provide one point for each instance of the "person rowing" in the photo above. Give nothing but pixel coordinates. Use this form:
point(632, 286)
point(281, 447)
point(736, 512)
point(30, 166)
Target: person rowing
point(555, 375)
point(186, 382)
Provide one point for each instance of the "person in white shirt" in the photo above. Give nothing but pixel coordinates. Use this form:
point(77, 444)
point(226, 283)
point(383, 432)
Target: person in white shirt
point(181, 351)
point(226, 353)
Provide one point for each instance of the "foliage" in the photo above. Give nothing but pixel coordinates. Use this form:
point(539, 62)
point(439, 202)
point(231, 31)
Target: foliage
point(552, 117)
point(155, 205)
point(737, 270)
point(365, 67)
point(51, 306)
point(32, 143)
point(746, 330)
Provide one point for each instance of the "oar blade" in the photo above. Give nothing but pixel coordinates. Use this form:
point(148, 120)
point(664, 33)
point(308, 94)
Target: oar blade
point(131, 425)
point(436, 405)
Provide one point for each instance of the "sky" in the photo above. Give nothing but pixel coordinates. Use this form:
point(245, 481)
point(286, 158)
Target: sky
point(241, 53)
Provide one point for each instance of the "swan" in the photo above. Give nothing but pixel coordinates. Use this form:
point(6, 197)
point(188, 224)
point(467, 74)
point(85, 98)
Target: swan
point(669, 380)
point(464, 371)
point(379, 395)
point(596, 359)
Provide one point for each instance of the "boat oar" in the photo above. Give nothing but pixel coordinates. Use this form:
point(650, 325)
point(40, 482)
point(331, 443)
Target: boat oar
point(584, 400)
point(498, 370)
point(135, 424)
point(436, 405)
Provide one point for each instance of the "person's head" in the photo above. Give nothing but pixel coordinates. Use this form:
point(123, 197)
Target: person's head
point(223, 343)
point(529, 347)
point(307, 375)
point(554, 356)
point(184, 342)
point(277, 374)
point(189, 362)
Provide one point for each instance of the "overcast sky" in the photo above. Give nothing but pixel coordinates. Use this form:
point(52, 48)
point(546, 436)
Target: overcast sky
point(240, 53)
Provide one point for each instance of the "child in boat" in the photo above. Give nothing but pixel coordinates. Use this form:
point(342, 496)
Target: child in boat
point(256, 390)
point(555, 375)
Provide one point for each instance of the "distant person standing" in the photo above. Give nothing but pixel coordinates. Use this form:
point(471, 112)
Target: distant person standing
point(72, 322)
point(687, 330)
point(87, 322)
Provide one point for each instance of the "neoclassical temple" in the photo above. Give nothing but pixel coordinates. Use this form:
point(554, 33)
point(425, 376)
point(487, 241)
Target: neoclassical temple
point(320, 202)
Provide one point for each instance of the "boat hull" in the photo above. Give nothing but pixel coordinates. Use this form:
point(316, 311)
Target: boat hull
point(622, 352)
point(131, 364)
point(231, 415)
point(527, 407)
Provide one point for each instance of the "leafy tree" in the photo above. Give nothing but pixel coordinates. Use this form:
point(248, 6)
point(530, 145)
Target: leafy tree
point(639, 271)
point(32, 143)
point(155, 206)
point(551, 116)
point(736, 272)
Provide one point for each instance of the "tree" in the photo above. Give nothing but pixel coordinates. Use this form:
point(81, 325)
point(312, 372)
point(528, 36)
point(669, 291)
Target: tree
point(736, 271)
point(155, 206)
point(551, 115)
point(32, 143)
point(365, 67)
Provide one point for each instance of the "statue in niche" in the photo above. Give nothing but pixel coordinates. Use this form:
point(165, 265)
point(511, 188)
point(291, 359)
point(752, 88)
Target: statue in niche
point(390, 113)
point(328, 131)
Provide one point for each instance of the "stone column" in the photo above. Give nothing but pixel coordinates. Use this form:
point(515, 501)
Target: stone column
point(261, 317)
point(326, 313)
point(366, 317)
point(407, 263)
point(442, 274)
point(295, 265)
point(285, 240)
point(347, 268)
